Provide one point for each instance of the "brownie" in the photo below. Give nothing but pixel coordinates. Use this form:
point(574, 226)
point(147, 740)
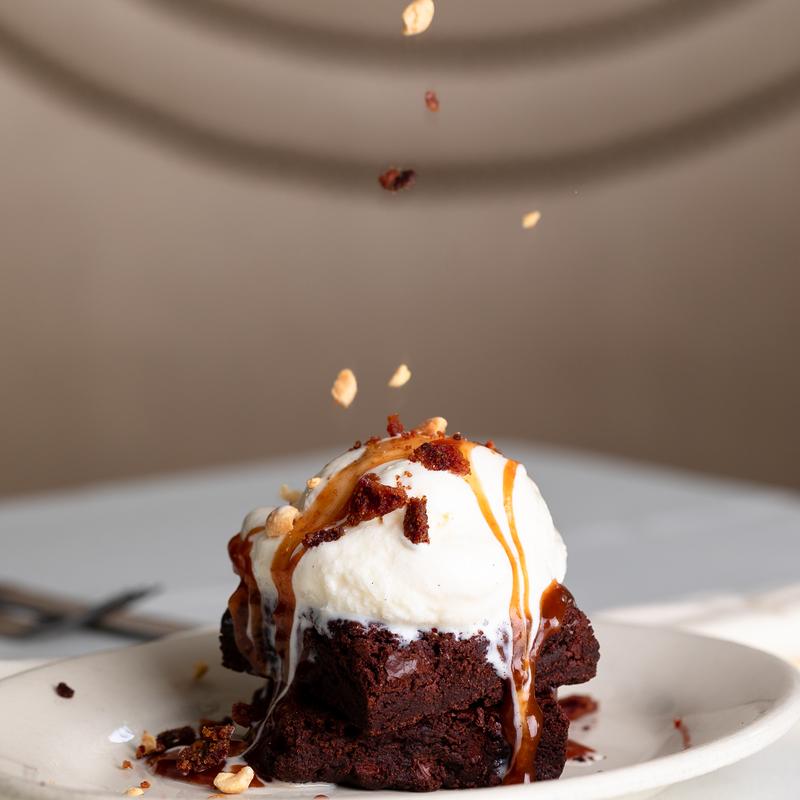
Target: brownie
point(370, 711)
point(378, 683)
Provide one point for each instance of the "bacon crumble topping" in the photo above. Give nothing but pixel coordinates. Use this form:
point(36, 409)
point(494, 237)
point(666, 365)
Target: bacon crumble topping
point(441, 456)
point(393, 425)
point(207, 752)
point(316, 538)
point(415, 522)
point(371, 499)
point(394, 179)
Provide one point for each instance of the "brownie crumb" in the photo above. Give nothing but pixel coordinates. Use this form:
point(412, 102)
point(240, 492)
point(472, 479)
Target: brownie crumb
point(441, 456)
point(371, 499)
point(207, 752)
point(393, 180)
point(577, 706)
point(65, 691)
point(415, 522)
point(686, 738)
point(393, 425)
point(175, 737)
point(316, 538)
point(432, 100)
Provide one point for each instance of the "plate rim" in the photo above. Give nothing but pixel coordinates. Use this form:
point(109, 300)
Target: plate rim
point(646, 775)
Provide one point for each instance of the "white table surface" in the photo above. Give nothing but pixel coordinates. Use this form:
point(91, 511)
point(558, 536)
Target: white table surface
point(635, 533)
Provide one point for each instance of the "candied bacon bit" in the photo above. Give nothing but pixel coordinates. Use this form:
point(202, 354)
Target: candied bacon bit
point(440, 456)
point(373, 440)
point(432, 100)
point(415, 522)
point(356, 444)
point(394, 179)
point(126, 764)
point(457, 436)
point(393, 425)
point(316, 538)
point(145, 784)
point(576, 706)
point(371, 499)
point(175, 737)
point(65, 691)
point(209, 751)
point(244, 714)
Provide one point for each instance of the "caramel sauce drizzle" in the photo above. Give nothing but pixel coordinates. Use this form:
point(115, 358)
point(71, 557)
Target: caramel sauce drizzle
point(523, 717)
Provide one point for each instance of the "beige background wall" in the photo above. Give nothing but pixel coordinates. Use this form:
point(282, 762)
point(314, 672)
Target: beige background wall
point(166, 304)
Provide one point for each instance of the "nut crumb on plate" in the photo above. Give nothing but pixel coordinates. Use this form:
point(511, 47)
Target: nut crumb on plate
point(432, 100)
point(234, 782)
point(126, 764)
point(200, 669)
point(400, 377)
point(134, 791)
point(147, 745)
point(344, 388)
point(417, 17)
point(312, 483)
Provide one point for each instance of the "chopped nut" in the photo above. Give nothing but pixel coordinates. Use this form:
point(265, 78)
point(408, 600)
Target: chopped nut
point(394, 179)
point(290, 496)
point(281, 521)
point(234, 782)
point(432, 100)
point(134, 791)
point(401, 376)
point(417, 17)
point(531, 219)
point(344, 388)
point(126, 764)
point(312, 483)
point(147, 745)
point(200, 669)
point(433, 426)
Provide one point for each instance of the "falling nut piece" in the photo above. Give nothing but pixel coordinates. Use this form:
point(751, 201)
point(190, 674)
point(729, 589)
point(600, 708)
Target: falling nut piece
point(432, 426)
point(417, 17)
point(312, 483)
point(402, 375)
point(289, 495)
point(281, 521)
point(344, 388)
point(234, 782)
point(531, 219)
point(200, 669)
point(134, 791)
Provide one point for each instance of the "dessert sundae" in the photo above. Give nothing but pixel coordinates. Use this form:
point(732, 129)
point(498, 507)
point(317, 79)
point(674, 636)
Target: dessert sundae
point(408, 616)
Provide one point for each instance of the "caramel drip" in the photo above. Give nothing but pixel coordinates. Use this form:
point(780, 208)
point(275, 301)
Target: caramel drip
point(327, 510)
point(245, 602)
point(522, 720)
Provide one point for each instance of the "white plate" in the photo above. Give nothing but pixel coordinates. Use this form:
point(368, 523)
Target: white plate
point(734, 700)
